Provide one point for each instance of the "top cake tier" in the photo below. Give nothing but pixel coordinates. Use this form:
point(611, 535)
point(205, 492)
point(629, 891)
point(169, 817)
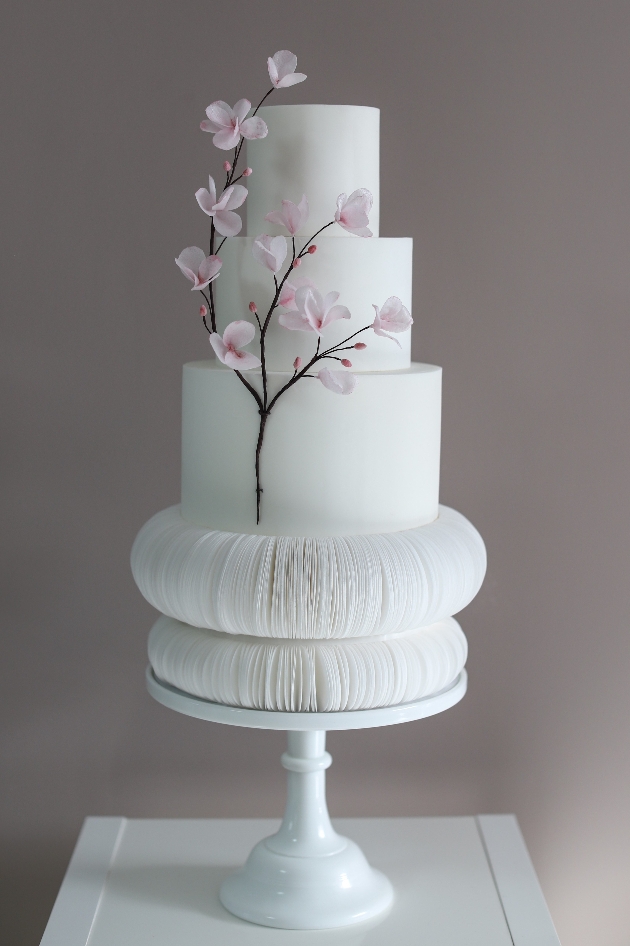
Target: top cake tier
point(318, 150)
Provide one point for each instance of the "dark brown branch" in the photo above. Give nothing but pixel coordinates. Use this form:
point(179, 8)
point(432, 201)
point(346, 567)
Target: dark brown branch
point(261, 433)
point(252, 390)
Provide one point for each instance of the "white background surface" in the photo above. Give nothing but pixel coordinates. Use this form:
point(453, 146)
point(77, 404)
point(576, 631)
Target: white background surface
point(164, 876)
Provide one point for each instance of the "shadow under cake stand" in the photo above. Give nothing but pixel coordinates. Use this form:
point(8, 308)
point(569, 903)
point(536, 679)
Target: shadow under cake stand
point(306, 877)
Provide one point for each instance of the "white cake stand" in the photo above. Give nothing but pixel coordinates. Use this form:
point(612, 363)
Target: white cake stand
point(306, 877)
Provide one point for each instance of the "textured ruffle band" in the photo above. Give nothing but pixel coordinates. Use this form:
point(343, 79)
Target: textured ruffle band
point(308, 588)
point(301, 676)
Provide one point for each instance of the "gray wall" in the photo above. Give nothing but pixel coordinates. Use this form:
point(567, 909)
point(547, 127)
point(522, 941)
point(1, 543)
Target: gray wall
point(505, 154)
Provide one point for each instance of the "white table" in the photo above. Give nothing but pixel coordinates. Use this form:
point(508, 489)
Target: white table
point(457, 882)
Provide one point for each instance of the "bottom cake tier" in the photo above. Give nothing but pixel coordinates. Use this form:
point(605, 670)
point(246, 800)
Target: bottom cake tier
point(307, 676)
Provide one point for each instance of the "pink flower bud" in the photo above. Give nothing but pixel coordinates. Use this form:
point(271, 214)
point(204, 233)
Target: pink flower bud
point(360, 346)
point(297, 262)
point(252, 307)
point(346, 363)
point(297, 364)
point(312, 249)
point(247, 172)
point(203, 311)
point(227, 166)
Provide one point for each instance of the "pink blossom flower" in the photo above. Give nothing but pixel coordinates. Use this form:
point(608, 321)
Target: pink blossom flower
point(360, 346)
point(313, 312)
point(226, 222)
point(229, 348)
point(297, 364)
point(292, 216)
point(341, 382)
point(346, 363)
point(270, 251)
point(352, 212)
point(199, 268)
point(391, 317)
point(282, 69)
point(229, 124)
point(247, 172)
point(287, 293)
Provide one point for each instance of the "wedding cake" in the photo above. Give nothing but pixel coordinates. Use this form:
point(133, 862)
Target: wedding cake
point(312, 568)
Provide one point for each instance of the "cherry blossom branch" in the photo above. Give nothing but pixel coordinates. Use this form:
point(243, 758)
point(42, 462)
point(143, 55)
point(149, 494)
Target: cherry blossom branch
point(318, 356)
point(251, 389)
point(237, 151)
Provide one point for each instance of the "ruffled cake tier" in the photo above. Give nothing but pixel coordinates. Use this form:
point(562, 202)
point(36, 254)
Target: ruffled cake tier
point(307, 676)
point(308, 588)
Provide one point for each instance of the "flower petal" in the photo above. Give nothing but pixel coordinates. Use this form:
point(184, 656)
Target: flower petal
point(359, 231)
point(205, 201)
point(292, 216)
point(276, 216)
point(295, 321)
point(206, 125)
point(270, 251)
point(220, 114)
point(341, 382)
point(285, 62)
point(188, 273)
point(209, 268)
point(287, 293)
point(304, 210)
point(361, 197)
point(310, 304)
point(333, 315)
point(220, 349)
point(278, 246)
point(286, 299)
point(239, 333)
point(273, 72)
point(393, 316)
point(227, 138)
point(340, 202)
point(241, 360)
point(241, 109)
point(254, 128)
point(292, 79)
point(235, 198)
point(329, 300)
point(192, 258)
point(227, 223)
point(379, 331)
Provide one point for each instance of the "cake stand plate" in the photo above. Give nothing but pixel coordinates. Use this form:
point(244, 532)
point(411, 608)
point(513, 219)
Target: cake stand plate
point(305, 722)
point(306, 877)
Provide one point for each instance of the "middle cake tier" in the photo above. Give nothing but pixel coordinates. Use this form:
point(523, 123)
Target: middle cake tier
point(365, 273)
point(330, 465)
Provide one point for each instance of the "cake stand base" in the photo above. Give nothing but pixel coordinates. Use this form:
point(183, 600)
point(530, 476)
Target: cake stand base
point(306, 877)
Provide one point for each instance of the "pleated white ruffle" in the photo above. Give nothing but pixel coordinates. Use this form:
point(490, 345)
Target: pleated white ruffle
point(308, 588)
point(307, 676)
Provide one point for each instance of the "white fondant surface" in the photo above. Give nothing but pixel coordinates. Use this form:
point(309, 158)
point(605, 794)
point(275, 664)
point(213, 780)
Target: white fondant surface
point(364, 272)
point(296, 588)
point(331, 465)
point(318, 150)
point(313, 676)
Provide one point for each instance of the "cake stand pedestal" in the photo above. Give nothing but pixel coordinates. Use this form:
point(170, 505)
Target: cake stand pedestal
point(306, 877)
